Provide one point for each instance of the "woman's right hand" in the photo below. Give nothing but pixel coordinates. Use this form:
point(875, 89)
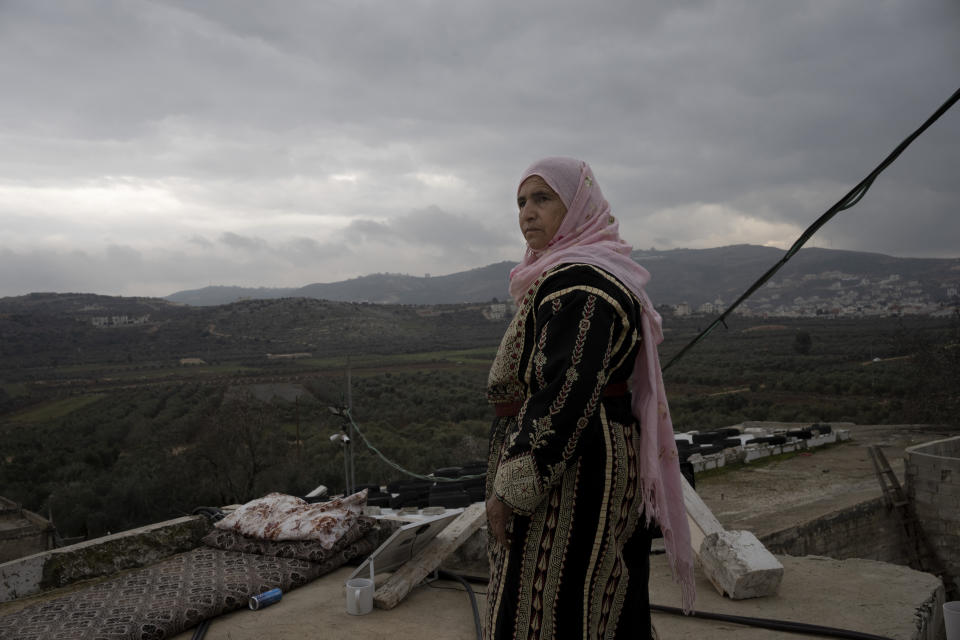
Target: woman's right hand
point(498, 514)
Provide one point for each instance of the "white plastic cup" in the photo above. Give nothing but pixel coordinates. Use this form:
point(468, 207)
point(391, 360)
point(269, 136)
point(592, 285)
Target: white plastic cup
point(951, 619)
point(359, 596)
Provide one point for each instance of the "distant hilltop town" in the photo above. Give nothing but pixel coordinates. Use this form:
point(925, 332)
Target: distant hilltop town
point(119, 320)
point(835, 294)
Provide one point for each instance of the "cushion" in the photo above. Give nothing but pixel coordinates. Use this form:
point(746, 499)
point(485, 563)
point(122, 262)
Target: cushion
point(278, 517)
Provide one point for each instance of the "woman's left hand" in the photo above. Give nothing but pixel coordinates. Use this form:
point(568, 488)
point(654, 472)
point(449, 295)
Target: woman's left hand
point(498, 514)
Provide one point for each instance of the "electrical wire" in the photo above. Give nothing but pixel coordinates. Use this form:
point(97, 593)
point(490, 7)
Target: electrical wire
point(213, 514)
point(349, 416)
point(852, 198)
point(436, 586)
point(849, 200)
point(776, 625)
point(478, 625)
point(789, 626)
point(201, 630)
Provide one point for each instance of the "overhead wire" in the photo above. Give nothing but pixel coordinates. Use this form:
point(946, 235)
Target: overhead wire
point(846, 202)
point(770, 623)
point(477, 622)
point(366, 441)
point(849, 200)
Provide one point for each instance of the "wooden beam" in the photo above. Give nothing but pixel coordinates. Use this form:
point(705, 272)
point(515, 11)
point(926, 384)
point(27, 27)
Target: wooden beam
point(399, 584)
point(735, 562)
point(701, 519)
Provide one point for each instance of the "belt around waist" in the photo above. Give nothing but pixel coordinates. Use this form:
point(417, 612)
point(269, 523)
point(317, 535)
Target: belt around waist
point(508, 409)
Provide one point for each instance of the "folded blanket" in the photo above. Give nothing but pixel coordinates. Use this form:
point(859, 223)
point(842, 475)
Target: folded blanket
point(310, 550)
point(277, 516)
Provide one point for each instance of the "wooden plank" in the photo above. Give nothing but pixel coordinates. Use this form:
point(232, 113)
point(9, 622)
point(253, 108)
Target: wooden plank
point(701, 519)
point(735, 562)
point(398, 585)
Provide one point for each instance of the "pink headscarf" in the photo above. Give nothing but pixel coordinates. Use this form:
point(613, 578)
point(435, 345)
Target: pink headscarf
point(590, 234)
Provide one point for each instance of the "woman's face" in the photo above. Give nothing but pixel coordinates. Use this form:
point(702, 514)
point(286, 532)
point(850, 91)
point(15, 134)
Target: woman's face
point(541, 212)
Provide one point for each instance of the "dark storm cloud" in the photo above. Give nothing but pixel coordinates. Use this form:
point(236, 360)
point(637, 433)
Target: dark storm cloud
point(311, 131)
point(432, 227)
point(200, 241)
point(308, 252)
point(243, 243)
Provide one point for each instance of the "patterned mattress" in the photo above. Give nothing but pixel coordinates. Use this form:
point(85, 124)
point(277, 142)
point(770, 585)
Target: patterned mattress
point(180, 592)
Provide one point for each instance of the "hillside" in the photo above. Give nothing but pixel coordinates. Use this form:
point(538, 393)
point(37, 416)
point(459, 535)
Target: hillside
point(41, 330)
point(166, 407)
point(476, 285)
point(694, 276)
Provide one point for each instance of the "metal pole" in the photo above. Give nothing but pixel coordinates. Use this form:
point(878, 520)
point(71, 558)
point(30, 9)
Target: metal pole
point(353, 471)
point(346, 470)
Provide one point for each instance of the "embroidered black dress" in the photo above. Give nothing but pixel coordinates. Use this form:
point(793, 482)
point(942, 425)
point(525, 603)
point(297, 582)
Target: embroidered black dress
point(577, 564)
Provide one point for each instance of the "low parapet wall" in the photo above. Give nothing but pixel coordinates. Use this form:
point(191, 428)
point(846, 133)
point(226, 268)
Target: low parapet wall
point(99, 557)
point(22, 532)
point(932, 482)
point(750, 452)
point(866, 530)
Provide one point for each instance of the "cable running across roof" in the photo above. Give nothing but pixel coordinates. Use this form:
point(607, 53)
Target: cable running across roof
point(849, 200)
point(346, 412)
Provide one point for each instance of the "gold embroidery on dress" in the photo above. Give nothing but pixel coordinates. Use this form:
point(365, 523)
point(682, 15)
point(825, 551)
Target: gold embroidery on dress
point(558, 551)
point(591, 608)
point(518, 483)
point(497, 555)
point(533, 541)
point(611, 568)
point(554, 471)
point(541, 431)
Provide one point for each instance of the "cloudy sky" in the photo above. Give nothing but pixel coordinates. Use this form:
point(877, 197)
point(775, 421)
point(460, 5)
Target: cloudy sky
point(149, 147)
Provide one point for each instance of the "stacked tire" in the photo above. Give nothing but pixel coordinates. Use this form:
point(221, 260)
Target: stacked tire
point(462, 493)
point(415, 493)
point(375, 496)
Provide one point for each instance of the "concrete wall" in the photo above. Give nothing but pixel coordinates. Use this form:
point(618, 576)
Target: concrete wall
point(932, 482)
point(99, 557)
point(868, 530)
point(22, 532)
point(22, 542)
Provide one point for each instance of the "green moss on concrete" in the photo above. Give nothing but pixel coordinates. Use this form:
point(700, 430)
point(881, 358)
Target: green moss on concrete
point(123, 551)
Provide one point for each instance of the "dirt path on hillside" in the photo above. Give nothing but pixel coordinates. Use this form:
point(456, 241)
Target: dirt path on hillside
point(764, 497)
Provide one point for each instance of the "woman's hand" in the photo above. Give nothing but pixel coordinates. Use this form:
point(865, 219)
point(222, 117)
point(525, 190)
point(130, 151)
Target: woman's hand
point(498, 514)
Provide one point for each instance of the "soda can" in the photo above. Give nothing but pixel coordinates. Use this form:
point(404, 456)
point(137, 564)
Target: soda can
point(265, 599)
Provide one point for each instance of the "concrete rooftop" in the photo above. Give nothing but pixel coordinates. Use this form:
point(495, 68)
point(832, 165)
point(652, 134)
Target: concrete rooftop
point(858, 595)
point(861, 595)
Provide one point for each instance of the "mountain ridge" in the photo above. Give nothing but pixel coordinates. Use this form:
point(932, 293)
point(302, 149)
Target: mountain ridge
point(693, 276)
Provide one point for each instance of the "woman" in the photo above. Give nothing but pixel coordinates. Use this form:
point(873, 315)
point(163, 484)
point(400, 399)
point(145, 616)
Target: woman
point(582, 455)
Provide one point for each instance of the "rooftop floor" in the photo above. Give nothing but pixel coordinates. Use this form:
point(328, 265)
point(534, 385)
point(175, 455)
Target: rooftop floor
point(859, 595)
point(767, 496)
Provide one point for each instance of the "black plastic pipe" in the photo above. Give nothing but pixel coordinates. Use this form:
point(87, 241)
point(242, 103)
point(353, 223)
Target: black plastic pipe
point(776, 625)
point(473, 599)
